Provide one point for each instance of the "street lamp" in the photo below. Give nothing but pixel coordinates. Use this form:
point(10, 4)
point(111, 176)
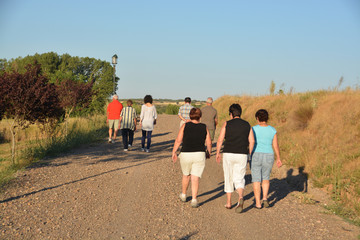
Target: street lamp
point(114, 62)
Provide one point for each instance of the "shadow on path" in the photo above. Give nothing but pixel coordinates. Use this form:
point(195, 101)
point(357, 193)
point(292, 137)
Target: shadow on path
point(219, 192)
point(189, 235)
point(75, 181)
point(280, 188)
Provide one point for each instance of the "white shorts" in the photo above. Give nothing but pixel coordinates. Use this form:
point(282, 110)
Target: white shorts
point(192, 163)
point(234, 165)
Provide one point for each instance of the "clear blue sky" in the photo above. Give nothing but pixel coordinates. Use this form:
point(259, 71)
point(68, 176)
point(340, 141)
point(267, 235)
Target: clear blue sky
point(174, 49)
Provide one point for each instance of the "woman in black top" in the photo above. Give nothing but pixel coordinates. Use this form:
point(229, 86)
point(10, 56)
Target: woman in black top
point(193, 135)
point(237, 134)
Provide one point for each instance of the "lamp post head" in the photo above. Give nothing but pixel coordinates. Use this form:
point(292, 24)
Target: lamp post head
point(114, 59)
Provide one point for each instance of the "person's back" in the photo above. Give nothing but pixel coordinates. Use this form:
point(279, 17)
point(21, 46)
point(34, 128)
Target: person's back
point(209, 114)
point(236, 136)
point(148, 115)
point(264, 136)
point(113, 117)
point(128, 114)
point(114, 109)
point(184, 111)
point(194, 137)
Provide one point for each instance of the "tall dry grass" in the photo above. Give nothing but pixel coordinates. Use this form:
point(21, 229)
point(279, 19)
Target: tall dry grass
point(33, 144)
point(317, 130)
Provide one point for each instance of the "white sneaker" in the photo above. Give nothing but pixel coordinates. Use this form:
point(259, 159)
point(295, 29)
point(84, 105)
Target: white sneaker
point(147, 150)
point(194, 203)
point(182, 197)
point(129, 145)
point(125, 150)
point(110, 141)
point(113, 141)
point(143, 149)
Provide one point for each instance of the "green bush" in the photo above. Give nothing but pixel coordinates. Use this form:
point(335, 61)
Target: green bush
point(172, 109)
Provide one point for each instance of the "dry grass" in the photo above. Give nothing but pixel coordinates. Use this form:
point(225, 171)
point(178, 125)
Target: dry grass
point(319, 130)
point(33, 145)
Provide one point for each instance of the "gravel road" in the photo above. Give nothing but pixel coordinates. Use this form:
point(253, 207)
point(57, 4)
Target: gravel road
point(100, 192)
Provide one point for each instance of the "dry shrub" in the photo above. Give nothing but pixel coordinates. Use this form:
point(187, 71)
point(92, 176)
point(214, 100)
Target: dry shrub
point(302, 116)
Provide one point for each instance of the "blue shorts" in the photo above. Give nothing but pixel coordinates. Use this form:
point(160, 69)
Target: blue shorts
point(261, 165)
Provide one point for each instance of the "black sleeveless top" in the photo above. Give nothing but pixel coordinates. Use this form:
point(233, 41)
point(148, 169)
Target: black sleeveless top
point(237, 136)
point(194, 137)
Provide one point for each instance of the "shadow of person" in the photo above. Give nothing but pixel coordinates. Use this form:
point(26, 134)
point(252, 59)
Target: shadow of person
point(219, 191)
point(280, 188)
point(299, 182)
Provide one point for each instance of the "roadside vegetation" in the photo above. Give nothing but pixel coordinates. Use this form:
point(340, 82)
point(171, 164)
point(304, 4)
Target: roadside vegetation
point(41, 100)
point(318, 132)
point(34, 145)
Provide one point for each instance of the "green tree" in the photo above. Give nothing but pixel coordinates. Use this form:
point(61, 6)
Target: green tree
point(82, 69)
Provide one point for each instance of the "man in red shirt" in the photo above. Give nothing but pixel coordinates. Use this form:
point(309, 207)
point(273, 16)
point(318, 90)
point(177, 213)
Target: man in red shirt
point(113, 117)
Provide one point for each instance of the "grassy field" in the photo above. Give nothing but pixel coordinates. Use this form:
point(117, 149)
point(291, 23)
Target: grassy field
point(33, 145)
point(319, 131)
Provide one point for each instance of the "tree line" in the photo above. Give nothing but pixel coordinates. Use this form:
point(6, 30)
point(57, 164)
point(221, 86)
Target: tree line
point(47, 88)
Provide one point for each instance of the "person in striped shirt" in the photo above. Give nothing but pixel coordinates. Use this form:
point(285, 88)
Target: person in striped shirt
point(184, 111)
point(128, 124)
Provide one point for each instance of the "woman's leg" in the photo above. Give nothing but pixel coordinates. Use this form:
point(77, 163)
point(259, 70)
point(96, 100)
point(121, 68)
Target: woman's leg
point(228, 178)
point(143, 132)
point(256, 175)
point(148, 139)
point(185, 183)
point(240, 191)
point(239, 171)
point(228, 199)
point(194, 186)
point(265, 188)
point(257, 193)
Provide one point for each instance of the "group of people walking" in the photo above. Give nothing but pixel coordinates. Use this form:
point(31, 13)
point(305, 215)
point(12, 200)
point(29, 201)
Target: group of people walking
point(241, 144)
point(125, 119)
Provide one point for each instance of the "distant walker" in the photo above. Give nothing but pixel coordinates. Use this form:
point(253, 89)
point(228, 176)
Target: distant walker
point(113, 117)
point(209, 117)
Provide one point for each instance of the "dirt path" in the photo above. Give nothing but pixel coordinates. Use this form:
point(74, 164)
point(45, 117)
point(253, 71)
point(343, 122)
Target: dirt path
point(101, 192)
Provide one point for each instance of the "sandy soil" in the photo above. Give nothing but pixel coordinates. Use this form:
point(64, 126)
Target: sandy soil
point(100, 192)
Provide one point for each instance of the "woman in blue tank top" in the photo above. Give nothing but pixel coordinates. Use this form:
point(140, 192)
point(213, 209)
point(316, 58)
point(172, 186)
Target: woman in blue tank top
point(263, 157)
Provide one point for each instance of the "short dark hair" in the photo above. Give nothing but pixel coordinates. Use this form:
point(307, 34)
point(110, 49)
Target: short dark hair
point(148, 99)
point(262, 115)
point(235, 110)
point(195, 114)
point(188, 100)
point(129, 102)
